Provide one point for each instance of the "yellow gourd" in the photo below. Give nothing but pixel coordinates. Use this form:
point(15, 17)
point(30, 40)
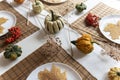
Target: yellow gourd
point(114, 73)
point(84, 43)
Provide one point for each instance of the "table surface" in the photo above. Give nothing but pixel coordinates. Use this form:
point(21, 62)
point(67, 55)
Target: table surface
point(97, 64)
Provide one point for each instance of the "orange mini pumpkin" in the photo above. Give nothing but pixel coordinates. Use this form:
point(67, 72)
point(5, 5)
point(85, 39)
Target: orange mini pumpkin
point(19, 1)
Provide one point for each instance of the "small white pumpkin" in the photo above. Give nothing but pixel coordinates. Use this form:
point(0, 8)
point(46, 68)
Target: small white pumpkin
point(53, 22)
point(37, 6)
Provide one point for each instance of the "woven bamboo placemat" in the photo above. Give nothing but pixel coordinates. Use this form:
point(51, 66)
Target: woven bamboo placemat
point(21, 22)
point(49, 52)
point(63, 8)
point(100, 10)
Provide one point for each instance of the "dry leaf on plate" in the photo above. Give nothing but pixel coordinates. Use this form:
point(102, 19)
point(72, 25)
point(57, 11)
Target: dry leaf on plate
point(3, 20)
point(114, 30)
point(53, 74)
point(1, 29)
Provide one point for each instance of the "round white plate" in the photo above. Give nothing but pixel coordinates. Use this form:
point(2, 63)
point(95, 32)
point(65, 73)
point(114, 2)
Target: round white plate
point(52, 2)
point(103, 23)
point(71, 73)
point(9, 23)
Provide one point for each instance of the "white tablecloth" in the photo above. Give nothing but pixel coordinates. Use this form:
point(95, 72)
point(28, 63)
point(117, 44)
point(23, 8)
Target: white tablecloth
point(97, 64)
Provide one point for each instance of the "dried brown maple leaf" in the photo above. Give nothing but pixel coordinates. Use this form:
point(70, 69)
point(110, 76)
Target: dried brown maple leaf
point(3, 20)
point(1, 29)
point(113, 29)
point(54, 74)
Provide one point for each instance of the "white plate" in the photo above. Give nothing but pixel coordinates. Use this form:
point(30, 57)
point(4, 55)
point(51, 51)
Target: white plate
point(103, 23)
point(51, 2)
point(71, 74)
point(9, 23)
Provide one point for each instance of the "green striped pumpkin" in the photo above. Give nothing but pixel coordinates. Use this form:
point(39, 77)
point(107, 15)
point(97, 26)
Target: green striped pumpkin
point(53, 23)
point(12, 52)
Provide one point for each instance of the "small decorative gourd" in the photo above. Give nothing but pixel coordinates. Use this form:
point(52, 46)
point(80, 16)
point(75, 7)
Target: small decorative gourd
point(114, 73)
point(92, 20)
point(81, 7)
point(12, 52)
point(53, 22)
point(37, 6)
point(19, 1)
point(84, 43)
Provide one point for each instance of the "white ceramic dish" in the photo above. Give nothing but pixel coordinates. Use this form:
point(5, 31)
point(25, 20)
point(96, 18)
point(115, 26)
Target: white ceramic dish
point(71, 73)
point(9, 23)
point(103, 23)
point(52, 2)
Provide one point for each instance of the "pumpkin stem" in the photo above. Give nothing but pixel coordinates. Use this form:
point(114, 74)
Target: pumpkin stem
point(73, 42)
point(52, 14)
point(36, 2)
point(118, 73)
point(94, 42)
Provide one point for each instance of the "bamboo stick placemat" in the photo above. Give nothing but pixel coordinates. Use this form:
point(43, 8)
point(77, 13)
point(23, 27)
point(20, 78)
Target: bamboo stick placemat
point(63, 8)
point(49, 52)
point(21, 22)
point(100, 10)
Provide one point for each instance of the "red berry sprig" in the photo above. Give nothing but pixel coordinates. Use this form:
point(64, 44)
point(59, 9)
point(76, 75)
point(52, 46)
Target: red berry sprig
point(15, 34)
